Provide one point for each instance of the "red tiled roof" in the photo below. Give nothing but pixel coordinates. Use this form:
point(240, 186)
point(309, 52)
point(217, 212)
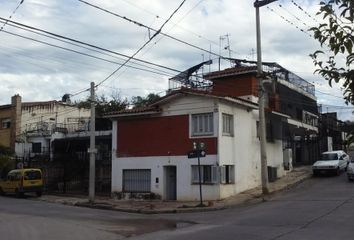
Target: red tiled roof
point(154, 108)
point(204, 93)
point(230, 72)
point(134, 111)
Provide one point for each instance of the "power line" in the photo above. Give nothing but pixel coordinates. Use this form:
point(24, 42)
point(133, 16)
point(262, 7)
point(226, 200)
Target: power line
point(85, 54)
point(165, 34)
point(187, 30)
point(290, 22)
point(329, 94)
point(149, 28)
point(296, 17)
point(90, 49)
point(146, 43)
point(17, 24)
point(12, 14)
point(337, 19)
point(304, 11)
point(88, 44)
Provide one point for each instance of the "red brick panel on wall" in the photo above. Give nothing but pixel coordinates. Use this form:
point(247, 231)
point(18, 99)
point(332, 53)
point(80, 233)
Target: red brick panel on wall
point(236, 86)
point(158, 136)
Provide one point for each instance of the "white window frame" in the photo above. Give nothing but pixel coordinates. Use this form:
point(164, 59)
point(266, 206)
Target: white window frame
point(202, 124)
point(211, 179)
point(227, 174)
point(227, 124)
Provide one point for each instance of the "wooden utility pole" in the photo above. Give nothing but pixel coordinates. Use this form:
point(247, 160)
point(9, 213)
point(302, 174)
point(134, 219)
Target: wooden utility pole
point(92, 149)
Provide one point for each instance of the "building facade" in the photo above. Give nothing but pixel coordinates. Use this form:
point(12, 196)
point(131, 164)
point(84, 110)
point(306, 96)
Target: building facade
point(151, 146)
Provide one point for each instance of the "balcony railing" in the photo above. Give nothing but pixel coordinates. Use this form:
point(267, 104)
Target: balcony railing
point(45, 128)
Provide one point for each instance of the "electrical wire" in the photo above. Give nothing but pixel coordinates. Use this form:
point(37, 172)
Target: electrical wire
point(290, 22)
point(199, 36)
point(303, 10)
point(12, 14)
point(296, 17)
point(149, 28)
point(90, 49)
point(89, 45)
point(146, 43)
point(80, 42)
point(85, 54)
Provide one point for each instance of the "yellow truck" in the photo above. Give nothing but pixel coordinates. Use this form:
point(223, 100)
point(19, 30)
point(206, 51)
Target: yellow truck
point(21, 181)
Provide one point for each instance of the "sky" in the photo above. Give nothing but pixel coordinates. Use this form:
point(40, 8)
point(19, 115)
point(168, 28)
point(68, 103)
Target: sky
point(41, 68)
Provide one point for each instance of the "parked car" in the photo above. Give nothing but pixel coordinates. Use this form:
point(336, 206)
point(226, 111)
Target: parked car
point(21, 181)
point(331, 162)
point(350, 169)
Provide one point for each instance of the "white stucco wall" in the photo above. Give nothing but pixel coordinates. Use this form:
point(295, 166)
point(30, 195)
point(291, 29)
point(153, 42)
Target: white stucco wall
point(22, 149)
point(275, 156)
point(241, 150)
point(186, 191)
point(50, 113)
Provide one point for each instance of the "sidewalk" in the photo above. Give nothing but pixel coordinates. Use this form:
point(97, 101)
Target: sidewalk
point(293, 178)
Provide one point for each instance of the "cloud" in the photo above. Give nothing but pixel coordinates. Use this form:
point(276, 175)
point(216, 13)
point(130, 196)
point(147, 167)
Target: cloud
point(40, 72)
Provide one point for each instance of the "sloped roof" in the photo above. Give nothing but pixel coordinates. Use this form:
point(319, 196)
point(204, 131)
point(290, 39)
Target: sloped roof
point(5, 106)
point(154, 108)
point(205, 93)
point(134, 111)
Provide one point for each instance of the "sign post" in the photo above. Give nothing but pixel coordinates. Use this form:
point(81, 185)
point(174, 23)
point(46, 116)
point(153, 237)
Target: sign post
point(198, 152)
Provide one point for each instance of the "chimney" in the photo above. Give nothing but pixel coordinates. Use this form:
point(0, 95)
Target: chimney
point(15, 119)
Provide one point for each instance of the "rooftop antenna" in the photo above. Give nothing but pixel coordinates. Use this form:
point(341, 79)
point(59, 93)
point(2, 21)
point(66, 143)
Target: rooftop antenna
point(227, 47)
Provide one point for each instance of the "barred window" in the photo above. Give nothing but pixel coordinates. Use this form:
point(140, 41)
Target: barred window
point(208, 174)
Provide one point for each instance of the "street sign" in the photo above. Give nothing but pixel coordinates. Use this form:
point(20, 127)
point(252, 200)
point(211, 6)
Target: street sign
point(194, 153)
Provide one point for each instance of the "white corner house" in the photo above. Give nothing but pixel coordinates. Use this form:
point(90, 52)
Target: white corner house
point(150, 147)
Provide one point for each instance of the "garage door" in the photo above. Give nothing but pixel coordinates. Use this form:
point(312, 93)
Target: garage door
point(137, 180)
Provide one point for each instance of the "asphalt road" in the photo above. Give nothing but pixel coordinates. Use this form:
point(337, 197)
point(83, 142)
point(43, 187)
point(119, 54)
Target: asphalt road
point(320, 208)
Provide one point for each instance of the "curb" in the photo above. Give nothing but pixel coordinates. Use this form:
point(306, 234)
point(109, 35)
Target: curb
point(145, 211)
point(252, 199)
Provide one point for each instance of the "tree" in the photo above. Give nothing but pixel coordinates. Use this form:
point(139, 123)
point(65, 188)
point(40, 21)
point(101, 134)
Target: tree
point(336, 33)
point(139, 101)
point(5, 159)
point(105, 105)
point(349, 129)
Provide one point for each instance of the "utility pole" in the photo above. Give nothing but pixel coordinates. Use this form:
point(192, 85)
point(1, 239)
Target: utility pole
point(261, 95)
point(92, 149)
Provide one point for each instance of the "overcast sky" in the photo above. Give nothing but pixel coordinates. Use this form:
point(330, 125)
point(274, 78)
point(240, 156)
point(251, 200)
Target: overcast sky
point(40, 72)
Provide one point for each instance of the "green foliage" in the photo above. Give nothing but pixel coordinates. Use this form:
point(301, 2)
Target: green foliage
point(336, 34)
point(350, 130)
point(5, 159)
point(139, 101)
point(105, 105)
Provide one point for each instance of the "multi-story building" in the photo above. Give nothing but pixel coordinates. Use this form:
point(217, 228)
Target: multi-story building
point(291, 114)
point(30, 127)
point(150, 145)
